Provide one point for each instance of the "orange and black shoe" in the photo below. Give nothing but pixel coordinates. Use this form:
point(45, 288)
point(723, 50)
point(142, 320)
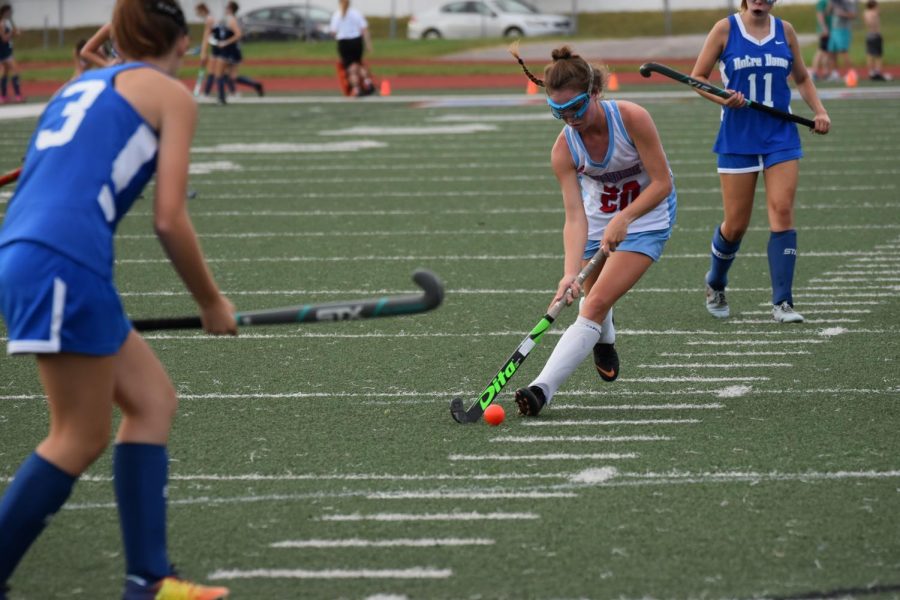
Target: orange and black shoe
point(530, 401)
point(606, 359)
point(172, 588)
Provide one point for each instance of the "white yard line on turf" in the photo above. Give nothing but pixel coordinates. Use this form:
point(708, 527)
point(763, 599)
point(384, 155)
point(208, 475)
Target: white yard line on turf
point(383, 543)
point(681, 478)
point(715, 366)
point(549, 456)
point(780, 353)
point(684, 406)
point(468, 495)
point(609, 422)
point(410, 573)
point(531, 439)
point(452, 516)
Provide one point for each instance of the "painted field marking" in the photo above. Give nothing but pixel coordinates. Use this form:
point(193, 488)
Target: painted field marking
point(531, 439)
point(289, 148)
point(410, 573)
point(750, 342)
point(549, 456)
point(384, 543)
point(467, 495)
point(817, 311)
point(715, 366)
point(610, 422)
point(732, 353)
point(676, 477)
point(709, 406)
point(807, 321)
point(452, 516)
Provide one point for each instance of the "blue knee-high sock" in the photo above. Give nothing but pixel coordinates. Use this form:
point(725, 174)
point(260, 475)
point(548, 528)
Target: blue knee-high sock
point(16, 89)
point(782, 252)
point(220, 84)
point(247, 81)
point(207, 86)
point(230, 83)
point(3, 81)
point(140, 472)
point(722, 255)
point(37, 491)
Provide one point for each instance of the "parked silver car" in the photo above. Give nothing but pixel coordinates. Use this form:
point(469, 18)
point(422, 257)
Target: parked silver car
point(486, 18)
point(288, 21)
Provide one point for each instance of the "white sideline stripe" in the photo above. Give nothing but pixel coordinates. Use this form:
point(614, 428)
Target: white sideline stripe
point(730, 353)
point(446, 495)
point(453, 257)
point(807, 321)
point(829, 303)
point(693, 379)
point(680, 478)
point(529, 439)
point(613, 422)
point(751, 342)
point(453, 516)
point(444, 394)
point(391, 543)
point(340, 477)
point(410, 573)
point(710, 406)
point(552, 456)
point(715, 366)
point(818, 311)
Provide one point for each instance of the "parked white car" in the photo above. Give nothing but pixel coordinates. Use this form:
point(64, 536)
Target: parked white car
point(486, 18)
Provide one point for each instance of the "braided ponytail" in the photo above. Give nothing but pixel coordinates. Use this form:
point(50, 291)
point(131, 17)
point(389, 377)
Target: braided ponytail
point(514, 50)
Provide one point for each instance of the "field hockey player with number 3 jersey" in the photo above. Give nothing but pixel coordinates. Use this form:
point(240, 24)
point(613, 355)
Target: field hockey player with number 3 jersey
point(619, 199)
point(757, 53)
point(98, 142)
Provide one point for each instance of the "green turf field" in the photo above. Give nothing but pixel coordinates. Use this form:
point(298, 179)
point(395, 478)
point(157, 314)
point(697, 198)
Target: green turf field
point(736, 459)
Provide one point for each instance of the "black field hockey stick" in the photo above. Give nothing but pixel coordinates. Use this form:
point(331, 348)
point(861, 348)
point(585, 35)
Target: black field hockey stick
point(473, 414)
point(386, 306)
point(648, 68)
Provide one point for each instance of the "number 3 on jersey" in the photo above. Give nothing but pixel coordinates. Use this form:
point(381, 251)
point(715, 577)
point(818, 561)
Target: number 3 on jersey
point(73, 111)
point(614, 198)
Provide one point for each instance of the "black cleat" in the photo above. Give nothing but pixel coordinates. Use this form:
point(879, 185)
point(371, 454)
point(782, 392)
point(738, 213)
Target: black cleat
point(530, 401)
point(606, 359)
point(260, 91)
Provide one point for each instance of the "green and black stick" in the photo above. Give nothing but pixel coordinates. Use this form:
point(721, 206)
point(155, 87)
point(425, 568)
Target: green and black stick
point(473, 414)
point(648, 68)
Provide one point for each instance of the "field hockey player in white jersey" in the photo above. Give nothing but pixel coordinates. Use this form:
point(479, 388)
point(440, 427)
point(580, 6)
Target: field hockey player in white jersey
point(619, 198)
point(98, 142)
point(757, 53)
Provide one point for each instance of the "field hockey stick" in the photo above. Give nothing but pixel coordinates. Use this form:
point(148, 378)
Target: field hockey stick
point(386, 306)
point(198, 86)
point(473, 414)
point(651, 67)
point(10, 177)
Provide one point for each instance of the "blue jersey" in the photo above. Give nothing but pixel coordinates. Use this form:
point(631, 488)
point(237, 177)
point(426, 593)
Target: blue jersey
point(759, 69)
point(6, 48)
point(88, 160)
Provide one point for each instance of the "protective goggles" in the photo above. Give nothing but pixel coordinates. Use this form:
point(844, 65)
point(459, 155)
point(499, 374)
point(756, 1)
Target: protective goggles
point(573, 109)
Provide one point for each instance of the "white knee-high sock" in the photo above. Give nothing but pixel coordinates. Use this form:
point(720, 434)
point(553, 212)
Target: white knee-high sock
point(574, 345)
point(607, 329)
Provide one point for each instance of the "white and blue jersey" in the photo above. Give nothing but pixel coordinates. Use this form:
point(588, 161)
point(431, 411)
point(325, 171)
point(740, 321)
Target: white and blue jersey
point(759, 69)
point(88, 160)
point(611, 184)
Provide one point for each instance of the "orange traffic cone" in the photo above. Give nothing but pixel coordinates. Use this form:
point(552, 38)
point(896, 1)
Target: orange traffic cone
point(531, 88)
point(613, 84)
point(851, 78)
point(385, 87)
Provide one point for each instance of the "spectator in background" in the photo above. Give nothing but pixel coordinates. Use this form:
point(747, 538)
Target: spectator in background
point(351, 30)
point(821, 62)
point(8, 31)
point(872, 21)
point(843, 12)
